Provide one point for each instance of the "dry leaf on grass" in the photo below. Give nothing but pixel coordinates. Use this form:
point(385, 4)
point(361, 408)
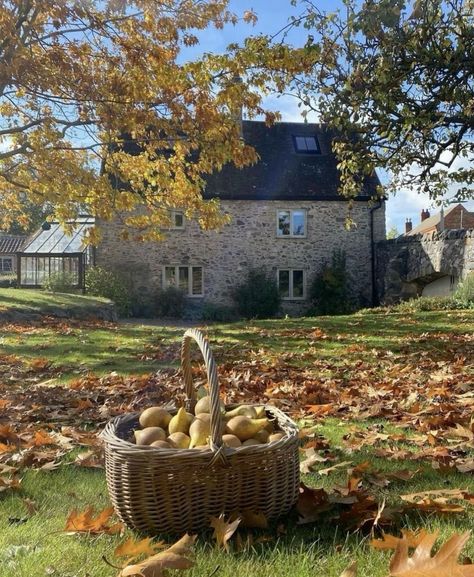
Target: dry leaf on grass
point(223, 530)
point(9, 483)
point(422, 564)
point(175, 557)
point(132, 549)
point(86, 522)
point(350, 571)
point(412, 539)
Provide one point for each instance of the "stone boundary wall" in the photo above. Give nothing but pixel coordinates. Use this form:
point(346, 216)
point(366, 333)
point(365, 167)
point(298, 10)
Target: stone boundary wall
point(406, 264)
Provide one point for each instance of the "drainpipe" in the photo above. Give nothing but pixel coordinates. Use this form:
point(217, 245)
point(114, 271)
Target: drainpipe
point(372, 253)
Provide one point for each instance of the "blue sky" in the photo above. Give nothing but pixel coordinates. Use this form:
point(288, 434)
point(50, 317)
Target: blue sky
point(272, 16)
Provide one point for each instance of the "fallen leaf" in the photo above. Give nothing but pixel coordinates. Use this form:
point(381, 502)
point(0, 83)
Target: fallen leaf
point(223, 530)
point(422, 564)
point(412, 539)
point(175, 557)
point(86, 522)
point(132, 548)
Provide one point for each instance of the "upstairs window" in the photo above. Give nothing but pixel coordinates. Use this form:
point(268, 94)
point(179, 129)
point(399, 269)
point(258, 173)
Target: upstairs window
point(187, 278)
point(291, 284)
point(177, 220)
point(291, 223)
point(307, 144)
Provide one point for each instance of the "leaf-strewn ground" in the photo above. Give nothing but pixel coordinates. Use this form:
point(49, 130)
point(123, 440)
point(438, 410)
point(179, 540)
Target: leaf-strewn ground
point(385, 403)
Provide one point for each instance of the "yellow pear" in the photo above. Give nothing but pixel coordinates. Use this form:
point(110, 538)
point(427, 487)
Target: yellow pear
point(180, 422)
point(155, 417)
point(261, 413)
point(200, 430)
point(204, 406)
point(231, 441)
point(149, 435)
point(262, 436)
point(161, 445)
point(276, 437)
point(249, 442)
point(245, 428)
point(179, 440)
point(243, 410)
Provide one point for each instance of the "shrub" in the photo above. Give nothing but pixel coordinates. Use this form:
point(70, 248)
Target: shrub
point(8, 280)
point(217, 313)
point(464, 292)
point(258, 297)
point(61, 282)
point(170, 302)
point(329, 291)
point(426, 304)
point(101, 282)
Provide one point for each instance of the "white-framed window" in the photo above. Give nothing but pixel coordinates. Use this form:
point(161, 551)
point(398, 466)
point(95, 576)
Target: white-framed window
point(177, 219)
point(187, 278)
point(6, 264)
point(291, 283)
point(291, 223)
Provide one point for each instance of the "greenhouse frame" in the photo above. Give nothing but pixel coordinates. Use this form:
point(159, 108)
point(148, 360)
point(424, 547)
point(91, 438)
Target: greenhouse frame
point(53, 250)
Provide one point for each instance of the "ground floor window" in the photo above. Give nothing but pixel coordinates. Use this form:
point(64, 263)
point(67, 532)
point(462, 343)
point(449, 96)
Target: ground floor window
point(291, 283)
point(187, 278)
point(6, 264)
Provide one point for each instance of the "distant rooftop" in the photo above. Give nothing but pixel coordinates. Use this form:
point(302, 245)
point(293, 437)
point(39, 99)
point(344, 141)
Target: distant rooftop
point(11, 243)
point(55, 240)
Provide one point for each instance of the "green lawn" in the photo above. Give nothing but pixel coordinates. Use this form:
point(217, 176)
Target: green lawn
point(39, 362)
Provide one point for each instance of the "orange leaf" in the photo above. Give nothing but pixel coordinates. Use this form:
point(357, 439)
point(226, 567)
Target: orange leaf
point(223, 530)
point(131, 548)
point(391, 542)
point(175, 557)
point(85, 522)
point(422, 564)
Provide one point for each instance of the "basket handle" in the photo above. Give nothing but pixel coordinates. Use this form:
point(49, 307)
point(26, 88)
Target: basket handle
point(211, 369)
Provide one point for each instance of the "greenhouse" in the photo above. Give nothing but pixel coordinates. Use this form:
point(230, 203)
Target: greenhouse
point(54, 251)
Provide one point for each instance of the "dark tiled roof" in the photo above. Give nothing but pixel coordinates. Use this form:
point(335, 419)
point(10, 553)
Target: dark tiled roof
point(282, 173)
point(10, 244)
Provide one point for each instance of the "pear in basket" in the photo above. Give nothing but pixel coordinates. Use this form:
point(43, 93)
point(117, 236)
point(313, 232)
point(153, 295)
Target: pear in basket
point(155, 417)
point(200, 430)
point(149, 435)
point(204, 406)
point(245, 428)
point(242, 410)
point(180, 422)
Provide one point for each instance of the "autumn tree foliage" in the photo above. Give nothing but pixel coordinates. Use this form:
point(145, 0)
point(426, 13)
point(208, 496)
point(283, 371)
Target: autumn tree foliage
point(78, 78)
point(395, 78)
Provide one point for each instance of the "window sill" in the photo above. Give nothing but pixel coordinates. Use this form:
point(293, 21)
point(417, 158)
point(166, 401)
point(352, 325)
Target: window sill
point(298, 299)
point(291, 236)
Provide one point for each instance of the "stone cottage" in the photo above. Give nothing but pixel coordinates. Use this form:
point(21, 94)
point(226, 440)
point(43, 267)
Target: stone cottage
point(286, 218)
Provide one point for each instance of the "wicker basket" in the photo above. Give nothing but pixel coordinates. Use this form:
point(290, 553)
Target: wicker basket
point(173, 491)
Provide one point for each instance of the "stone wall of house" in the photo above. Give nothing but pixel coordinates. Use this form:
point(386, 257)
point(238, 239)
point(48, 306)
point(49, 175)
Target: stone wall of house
point(407, 264)
point(251, 241)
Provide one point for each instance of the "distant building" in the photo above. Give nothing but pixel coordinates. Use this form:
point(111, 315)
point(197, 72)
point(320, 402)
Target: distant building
point(455, 217)
point(10, 245)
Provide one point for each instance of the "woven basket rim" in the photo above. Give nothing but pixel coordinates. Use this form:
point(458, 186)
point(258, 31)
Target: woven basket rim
point(111, 438)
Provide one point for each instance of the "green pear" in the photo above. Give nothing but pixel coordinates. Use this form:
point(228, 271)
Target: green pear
point(149, 435)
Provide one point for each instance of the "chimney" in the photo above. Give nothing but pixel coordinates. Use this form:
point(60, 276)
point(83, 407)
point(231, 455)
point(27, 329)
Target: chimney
point(408, 226)
point(425, 214)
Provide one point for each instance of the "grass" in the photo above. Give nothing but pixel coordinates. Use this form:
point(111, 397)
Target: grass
point(39, 300)
point(35, 546)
